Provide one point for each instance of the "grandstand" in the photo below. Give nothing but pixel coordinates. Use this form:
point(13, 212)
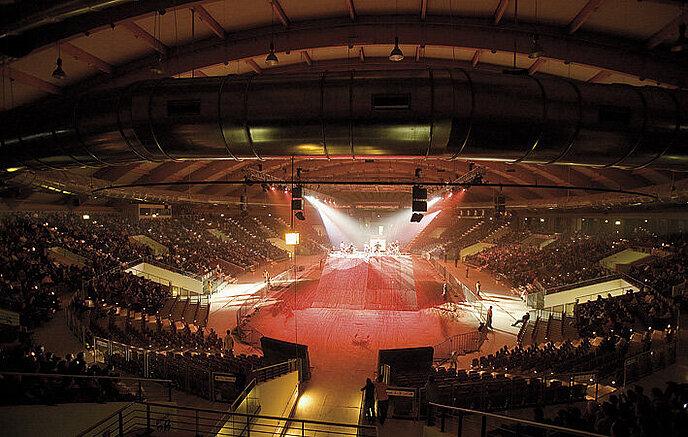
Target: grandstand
point(389, 218)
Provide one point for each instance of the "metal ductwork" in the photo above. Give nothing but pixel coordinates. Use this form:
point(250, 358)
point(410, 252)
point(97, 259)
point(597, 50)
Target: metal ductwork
point(451, 114)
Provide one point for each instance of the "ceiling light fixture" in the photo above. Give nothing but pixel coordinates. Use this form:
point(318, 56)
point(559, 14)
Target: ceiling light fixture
point(535, 49)
point(681, 43)
point(59, 73)
point(271, 59)
point(396, 55)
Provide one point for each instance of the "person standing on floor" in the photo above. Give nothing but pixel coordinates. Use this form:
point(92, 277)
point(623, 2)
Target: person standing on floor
point(488, 318)
point(432, 394)
point(369, 400)
point(382, 399)
point(477, 288)
point(229, 342)
point(467, 272)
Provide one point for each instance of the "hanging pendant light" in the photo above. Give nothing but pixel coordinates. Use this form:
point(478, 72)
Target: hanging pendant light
point(157, 68)
point(272, 57)
point(59, 73)
point(535, 49)
point(681, 43)
point(396, 55)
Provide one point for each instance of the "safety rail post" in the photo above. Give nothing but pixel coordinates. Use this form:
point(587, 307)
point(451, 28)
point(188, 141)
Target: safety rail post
point(169, 391)
point(460, 424)
point(121, 424)
point(483, 427)
point(140, 394)
point(442, 420)
point(197, 433)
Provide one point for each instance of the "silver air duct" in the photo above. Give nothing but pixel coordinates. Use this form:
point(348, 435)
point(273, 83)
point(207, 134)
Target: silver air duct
point(451, 114)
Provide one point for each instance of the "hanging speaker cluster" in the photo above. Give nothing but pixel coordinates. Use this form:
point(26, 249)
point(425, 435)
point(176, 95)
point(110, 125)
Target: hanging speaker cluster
point(419, 204)
point(297, 202)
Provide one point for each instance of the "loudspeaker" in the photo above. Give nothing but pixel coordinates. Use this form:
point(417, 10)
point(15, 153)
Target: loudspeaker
point(419, 206)
point(500, 204)
point(420, 193)
point(297, 192)
point(296, 204)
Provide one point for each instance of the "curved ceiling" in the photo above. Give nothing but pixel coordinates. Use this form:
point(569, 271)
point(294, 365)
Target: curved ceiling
point(115, 42)
point(607, 41)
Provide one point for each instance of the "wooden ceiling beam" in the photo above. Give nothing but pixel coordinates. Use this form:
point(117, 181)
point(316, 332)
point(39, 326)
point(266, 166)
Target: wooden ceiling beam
point(352, 9)
point(306, 57)
point(662, 34)
point(209, 21)
point(598, 51)
point(535, 66)
point(144, 36)
point(582, 16)
point(600, 76)
point(423, 9)
point(84, 56)
point(251, 63)
point(32, 81)
point(476, 58)
point(279, 11)
point(499, 12)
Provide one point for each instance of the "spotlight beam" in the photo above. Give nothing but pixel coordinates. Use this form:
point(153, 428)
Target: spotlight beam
point(388, 183)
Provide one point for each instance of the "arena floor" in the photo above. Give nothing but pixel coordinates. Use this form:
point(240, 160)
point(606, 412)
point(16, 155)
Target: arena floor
point(345, 310)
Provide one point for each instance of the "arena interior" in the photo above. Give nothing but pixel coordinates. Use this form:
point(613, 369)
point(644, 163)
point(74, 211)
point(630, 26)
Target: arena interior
point(343, 217)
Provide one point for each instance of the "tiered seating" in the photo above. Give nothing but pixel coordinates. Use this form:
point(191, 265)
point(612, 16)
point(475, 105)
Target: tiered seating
point(491, 391)
point(53, 390)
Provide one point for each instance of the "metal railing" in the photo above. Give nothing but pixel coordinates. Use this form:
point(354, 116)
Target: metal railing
point(147, 417)
point(505, 393)
point(482, 423)
point(646, 363)
point(461, 344)
point(480, 310)
point(138, 388)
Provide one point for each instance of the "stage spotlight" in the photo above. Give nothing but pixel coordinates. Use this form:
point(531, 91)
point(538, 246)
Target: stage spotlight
point(299, 215)
point(416, 217)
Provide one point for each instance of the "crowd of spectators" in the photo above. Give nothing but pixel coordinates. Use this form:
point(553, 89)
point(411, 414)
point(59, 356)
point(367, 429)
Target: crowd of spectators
point(570, 259)
point(639, 311)
point(629, 414)
point(548, 357)
point(26, 389)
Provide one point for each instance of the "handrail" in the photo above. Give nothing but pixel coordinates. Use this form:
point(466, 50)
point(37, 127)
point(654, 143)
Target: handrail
point(207, 410)
point(240, 398)
point(584, 283)
point(63, 375)
point(105, 419)
point(518, 420)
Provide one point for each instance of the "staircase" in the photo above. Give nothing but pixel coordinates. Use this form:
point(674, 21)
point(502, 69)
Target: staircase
point(568, 328)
